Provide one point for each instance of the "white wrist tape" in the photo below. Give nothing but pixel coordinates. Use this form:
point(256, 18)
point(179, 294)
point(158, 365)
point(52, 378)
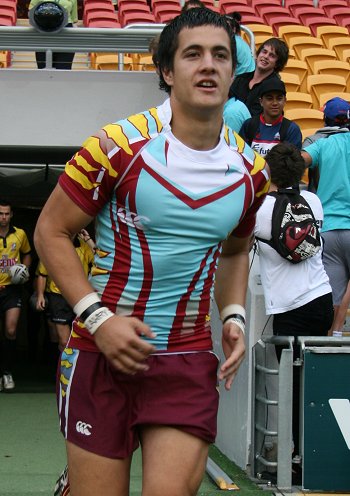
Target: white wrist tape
point(231, 309)
point(97, 318)
point(85, 303)
point(238, 323)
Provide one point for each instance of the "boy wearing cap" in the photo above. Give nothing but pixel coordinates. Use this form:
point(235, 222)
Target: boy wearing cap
point(262, 132)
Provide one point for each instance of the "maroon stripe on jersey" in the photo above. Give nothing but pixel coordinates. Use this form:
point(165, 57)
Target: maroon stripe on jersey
point(175, 337)
point(192, 203)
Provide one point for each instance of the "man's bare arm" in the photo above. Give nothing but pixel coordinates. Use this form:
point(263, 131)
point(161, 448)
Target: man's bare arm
point(118, 337)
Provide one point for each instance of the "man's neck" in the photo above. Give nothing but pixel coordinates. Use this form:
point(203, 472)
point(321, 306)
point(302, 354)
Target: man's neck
point(199, 131)
point(260, 75)
point(4, 231)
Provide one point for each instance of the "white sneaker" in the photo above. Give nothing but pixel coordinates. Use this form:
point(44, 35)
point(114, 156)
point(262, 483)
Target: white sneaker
point(1, 384)
point(8, 382)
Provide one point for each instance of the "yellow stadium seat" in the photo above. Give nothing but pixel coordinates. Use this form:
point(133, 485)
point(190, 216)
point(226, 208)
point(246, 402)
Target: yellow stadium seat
point(324, 97)
point(310, 55)
point(258, 30)
point(317, 84)
point(293, 30)
point(297, 99)
point(291, 81)
point(299, 43)
point(110, 62)
point(328, 32)
point(306, 118)
point(333, 68)
point(300, 68)
point(339, 44)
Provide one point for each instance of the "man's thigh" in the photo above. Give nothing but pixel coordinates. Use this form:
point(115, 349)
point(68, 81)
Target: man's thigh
point(173, 461)
point(94, 475)
point(336, 259)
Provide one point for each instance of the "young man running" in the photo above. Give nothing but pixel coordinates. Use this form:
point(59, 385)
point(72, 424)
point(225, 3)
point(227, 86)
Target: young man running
point(171, 189)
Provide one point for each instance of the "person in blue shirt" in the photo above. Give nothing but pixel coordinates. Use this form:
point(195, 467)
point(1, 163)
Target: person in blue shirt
point(262, 132)
point(331, 157)
point(245, 58)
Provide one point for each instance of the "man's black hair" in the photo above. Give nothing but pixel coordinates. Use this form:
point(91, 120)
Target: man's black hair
point(4, 203)
point(192, 4)
point(281, 49)
point(286, 164)
point(169, 38)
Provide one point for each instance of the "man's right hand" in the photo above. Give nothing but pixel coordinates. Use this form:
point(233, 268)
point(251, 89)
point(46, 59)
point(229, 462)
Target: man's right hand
point(119, 339)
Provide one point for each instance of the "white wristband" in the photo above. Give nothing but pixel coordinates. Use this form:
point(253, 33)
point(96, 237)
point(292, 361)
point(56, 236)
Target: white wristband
point(230, 309)
point(97, 318)
point(85, 303)
point(238, 323)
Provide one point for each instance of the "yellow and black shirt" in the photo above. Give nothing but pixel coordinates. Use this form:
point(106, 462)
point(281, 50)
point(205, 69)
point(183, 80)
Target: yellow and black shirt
point(14, 245)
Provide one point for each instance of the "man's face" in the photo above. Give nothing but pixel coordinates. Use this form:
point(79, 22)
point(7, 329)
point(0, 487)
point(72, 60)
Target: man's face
point(267, 58)
point(202, 69)
point(5, 216)
point(273, 104)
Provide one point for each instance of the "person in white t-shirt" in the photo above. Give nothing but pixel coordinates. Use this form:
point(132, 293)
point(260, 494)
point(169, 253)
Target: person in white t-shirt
point(298, 296)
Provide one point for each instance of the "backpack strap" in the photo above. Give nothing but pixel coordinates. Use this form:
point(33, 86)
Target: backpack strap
point(252, 127)
point(284, 128)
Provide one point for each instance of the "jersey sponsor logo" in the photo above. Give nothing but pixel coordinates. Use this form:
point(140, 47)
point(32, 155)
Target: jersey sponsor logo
point(83, 428)
point(6, 262)
point(131, 219)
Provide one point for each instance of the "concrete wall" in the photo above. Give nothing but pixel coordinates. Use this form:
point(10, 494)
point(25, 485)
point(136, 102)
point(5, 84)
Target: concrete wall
point(55, 108)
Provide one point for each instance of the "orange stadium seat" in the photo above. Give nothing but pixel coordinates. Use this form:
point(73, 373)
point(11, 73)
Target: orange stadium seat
point(303, 12)
point(103, 23)
point(256, 3)
point(237, 2)
point(331, 7)
point(291, 31)
point(248, 19)
point(327, 96)
point(317, 84)
point(101, 16)
point(265, 10)
point(132, 7)
point(339, 45)
point(6, 21)
point(299, 43)
point(305, 118)
point(96, 7)
point(291, 81)
point(258, 30)
point(110, 62)
point(166, 16)
point(300, 68)
point(163, 2)
point(9, 9)
point(260, 39)
point(297, 99)
point(330, 31)
point(290, 4)
point(331, 3)
point(338, 13)
point(333, 67)
point(311, 55)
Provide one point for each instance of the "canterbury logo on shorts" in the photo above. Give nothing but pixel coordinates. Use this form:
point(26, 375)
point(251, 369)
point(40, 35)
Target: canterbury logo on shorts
point(83, 428)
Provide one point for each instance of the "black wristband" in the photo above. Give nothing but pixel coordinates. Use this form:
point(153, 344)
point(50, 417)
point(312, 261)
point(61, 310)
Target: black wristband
point(90, 310)
point(234, 316)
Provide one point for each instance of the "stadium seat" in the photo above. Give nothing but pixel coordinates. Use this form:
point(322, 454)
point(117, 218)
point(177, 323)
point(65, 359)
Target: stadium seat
point(333, 68)
point(287, 32)
point(248, 19)
point(229, 6)
point(10, 10)
point(277, 20)
point(291, 81)
point(339, 44)
point(138, 18)
point(258, 30)
point(266, 10)
point(163, 2)
point(132, 7)
point(310, 55)
point(239, 3)
point(110, 62)
point(302, 12)
point(313, 22)
point(96, 7)
point(330, 31)
point(260, 5)
point(299, 43)
point(317, 84)
point(6, 20)
point(327, 96)
point(306, 118)
point(144, 63)
point(259, 40)
point(297, 99)
point(3, 59)
point(103, 23)
point(101, 16)
point(338, 13)
point(329, 5)
point(291, 4)
point(162, 11)
point(300, 68)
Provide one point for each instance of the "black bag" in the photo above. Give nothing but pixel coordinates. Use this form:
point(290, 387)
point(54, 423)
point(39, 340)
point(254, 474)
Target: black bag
point(295, 233)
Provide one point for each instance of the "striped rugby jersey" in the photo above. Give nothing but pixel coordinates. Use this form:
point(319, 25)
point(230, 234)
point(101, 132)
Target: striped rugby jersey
point(162, 211)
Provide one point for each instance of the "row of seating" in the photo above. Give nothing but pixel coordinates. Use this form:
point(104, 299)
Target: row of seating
point(8, 12)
